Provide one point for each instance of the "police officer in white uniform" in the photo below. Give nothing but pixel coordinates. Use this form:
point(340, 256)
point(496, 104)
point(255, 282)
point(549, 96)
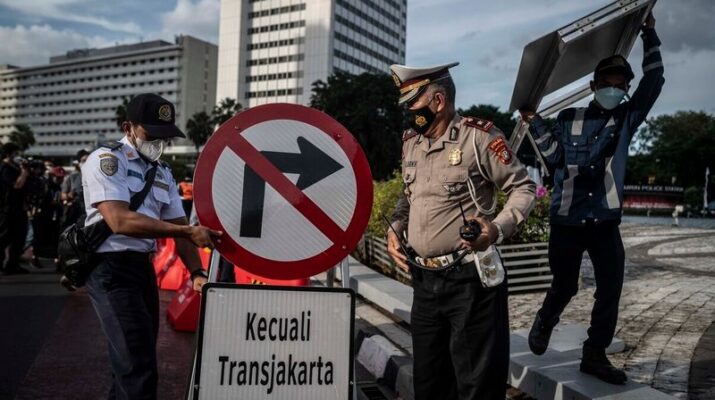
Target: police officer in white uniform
point(123, 287)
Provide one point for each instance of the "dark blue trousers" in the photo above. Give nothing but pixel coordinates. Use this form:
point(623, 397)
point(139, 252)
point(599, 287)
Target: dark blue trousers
point(124, 294)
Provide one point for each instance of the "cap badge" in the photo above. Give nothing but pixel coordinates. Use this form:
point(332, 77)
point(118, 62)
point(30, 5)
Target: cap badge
point(165, 113)
point(455, 157)
point(420, 121)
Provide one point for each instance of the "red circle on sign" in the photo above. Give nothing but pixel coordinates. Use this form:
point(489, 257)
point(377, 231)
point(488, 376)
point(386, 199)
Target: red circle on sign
point(230, 134)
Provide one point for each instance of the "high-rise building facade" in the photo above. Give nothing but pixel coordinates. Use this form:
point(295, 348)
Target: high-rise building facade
point(71, 102)
point(273, 50)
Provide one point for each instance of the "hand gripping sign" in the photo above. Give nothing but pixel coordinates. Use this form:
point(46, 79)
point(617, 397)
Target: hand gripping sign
point(288, 185)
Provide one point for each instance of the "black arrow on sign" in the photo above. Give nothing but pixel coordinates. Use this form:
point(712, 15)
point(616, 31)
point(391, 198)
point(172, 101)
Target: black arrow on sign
point(311, 163)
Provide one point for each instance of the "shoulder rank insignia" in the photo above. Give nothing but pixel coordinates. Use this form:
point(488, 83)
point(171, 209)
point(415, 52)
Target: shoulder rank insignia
point(108, 165)
point(481, 124)
point(501, 150)
point(408, 134)
point(455, 157)
point(111, 145)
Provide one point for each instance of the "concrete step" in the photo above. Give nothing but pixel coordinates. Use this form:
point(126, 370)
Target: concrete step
point(555, 375)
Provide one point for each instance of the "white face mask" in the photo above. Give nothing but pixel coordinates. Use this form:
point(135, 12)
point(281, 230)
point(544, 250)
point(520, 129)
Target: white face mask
point(150, 149)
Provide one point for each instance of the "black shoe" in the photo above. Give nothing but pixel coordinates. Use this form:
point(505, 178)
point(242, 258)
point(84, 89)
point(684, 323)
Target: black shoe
point(539, 336)
point(594, 362)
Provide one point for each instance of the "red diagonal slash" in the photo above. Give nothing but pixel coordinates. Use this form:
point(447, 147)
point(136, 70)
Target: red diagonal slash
point(274, 177)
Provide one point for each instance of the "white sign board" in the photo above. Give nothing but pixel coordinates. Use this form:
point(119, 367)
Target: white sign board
point(268, 342)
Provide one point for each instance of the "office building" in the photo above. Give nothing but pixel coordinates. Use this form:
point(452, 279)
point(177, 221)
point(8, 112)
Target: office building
point(71, 102)
point(273, 50)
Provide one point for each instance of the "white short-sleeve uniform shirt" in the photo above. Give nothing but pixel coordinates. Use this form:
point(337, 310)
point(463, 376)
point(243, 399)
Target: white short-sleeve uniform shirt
point(117, 175)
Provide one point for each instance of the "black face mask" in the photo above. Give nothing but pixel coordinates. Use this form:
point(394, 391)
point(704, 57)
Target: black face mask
point(422, 119)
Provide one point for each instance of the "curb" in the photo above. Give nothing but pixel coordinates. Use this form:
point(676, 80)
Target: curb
point(390, 365)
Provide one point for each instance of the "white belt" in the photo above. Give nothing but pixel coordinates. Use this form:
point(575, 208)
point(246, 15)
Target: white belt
point(441, 261)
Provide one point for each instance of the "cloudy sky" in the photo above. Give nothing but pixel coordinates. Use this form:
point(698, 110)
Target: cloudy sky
point(487, 37)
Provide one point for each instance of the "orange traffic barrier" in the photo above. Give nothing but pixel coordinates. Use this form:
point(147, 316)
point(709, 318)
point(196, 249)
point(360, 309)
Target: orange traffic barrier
point(170, 271)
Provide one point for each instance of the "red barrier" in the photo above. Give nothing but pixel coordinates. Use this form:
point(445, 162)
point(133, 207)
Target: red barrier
point(183, 312)
point(170, 271)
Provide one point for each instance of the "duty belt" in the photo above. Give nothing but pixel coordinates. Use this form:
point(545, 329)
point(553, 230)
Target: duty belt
point(445, 261)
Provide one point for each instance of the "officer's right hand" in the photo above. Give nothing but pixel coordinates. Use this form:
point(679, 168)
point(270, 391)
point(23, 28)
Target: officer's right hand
point(202, 236)
point(393, 248)
point(526, 115)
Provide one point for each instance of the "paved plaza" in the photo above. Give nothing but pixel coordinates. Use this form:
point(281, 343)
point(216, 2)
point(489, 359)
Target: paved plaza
point(667, 308)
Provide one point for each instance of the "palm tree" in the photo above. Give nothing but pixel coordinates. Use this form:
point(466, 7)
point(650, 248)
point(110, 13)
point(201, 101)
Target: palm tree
point(22, 136)
point(120, 115)
point(225, 109)
point(199, 128)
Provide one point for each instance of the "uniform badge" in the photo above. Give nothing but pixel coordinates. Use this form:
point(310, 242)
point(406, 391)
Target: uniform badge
point(455, 157)
point(501, 150)
point(165, 113)
point(420, 121)
point(109, 165)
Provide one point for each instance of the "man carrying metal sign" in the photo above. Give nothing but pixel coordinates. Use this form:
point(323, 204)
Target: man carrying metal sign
point(587, 149)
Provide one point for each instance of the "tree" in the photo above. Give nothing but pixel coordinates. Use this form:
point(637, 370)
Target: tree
point(199, 128)
point(225, 109)
point(680, 145)
point(22, 136)
point(120, 115)
point(366, 105)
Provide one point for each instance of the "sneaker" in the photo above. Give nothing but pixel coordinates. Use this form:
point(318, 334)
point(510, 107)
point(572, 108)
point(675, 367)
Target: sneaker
point(594, 362)
point(539, 336)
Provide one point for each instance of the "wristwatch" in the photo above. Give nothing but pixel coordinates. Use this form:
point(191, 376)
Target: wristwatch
point(500, 236)
point(197, 273)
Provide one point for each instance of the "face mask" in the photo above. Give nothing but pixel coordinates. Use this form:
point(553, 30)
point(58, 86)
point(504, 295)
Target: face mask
point(422, 118)
point(609, 97)
point(150, 149)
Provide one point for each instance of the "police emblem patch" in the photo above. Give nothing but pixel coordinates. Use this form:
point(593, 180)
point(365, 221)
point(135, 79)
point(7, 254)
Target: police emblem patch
point(455, 157)
point(420, 121)
point(502, 151)
point(165, 113)
point(109, 165)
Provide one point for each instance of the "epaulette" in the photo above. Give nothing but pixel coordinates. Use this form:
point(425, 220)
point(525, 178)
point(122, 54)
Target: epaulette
point(481, 124)
point(165, 165)
point(408, 134)
point(111, 145)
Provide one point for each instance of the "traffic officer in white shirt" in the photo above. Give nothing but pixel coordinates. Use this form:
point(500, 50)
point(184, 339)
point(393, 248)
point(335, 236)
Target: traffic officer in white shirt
point(123, 287)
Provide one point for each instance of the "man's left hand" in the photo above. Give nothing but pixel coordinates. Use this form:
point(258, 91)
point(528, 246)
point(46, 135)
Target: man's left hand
point(199, 282)
point(487, 236)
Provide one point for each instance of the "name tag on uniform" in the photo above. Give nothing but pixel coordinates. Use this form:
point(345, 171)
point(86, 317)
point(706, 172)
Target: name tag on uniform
point(135, 174)
point(161, 185)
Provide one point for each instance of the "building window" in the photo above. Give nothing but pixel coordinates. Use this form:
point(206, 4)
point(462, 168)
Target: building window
point(276, 27)
point(275, 60)
point(274, 11)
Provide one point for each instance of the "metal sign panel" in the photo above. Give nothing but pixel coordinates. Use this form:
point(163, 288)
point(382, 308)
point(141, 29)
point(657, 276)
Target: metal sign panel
point(572, 52)
point(269, 342)
point(289, 186)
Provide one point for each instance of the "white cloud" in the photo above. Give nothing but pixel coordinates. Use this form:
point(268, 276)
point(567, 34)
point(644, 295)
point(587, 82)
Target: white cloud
point(198, 19)
point(33, 45)
point(58, 9)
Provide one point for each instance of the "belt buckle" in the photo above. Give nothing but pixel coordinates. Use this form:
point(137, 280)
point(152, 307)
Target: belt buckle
point(432, 262)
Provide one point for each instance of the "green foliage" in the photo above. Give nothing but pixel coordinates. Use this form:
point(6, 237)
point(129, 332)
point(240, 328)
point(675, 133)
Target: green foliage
point(366, 105)
point(693, 197)
point(22, 136)
point(385, 195)
point(199, 128)
point(536, 227)
point(680, 145)
point(120, 114)
point(225, 109)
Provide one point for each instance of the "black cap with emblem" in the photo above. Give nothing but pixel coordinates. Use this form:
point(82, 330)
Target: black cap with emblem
point(155, 114)
point(614, 64)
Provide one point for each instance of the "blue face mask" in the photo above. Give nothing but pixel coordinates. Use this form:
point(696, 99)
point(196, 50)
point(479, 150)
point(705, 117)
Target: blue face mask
point(609, 97)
